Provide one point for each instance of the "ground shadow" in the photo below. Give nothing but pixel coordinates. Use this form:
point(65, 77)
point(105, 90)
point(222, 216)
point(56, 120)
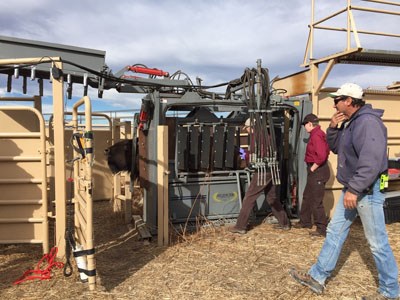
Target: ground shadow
point(120, 252)
point(356, 241)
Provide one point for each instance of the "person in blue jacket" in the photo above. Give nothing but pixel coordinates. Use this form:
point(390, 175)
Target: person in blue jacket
point(361, 147)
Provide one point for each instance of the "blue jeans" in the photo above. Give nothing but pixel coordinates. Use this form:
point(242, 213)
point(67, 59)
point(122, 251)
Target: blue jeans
point(370, 210)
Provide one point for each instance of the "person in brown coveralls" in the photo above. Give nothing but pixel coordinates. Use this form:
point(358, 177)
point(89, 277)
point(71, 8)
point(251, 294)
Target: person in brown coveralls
point(255, 189)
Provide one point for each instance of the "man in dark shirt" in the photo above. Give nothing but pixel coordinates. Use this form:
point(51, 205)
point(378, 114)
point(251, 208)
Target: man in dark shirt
point(318, 173)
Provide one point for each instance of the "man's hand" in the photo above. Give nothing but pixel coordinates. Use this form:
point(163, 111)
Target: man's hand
point(350, 200)
point(336, 119)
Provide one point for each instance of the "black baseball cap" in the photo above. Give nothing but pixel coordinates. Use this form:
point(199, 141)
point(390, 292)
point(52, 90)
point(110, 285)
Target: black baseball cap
point(310, 118)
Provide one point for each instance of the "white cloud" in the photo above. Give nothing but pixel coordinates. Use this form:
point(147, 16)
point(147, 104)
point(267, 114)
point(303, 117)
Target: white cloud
point(213, 39)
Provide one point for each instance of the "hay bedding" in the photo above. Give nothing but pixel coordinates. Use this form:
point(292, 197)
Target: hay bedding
point(211, 264)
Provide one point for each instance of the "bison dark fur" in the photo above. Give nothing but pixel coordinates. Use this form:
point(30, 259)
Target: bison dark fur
point(119, 156)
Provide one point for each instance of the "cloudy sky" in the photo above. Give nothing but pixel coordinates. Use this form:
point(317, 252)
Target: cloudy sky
point(211, 39)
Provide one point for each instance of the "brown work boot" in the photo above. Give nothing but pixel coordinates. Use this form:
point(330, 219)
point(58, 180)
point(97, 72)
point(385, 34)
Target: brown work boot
point(317, 233)
point(306, 280)
point(234, 229)
point(377, 296)
point(298, 225)
point(281, 227)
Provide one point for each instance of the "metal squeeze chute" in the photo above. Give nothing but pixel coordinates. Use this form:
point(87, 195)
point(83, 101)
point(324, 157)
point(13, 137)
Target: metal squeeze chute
point(262, 149)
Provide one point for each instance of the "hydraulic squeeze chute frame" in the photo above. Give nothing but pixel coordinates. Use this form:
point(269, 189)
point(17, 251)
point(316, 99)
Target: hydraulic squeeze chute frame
point(205, 135)
point(273, 148)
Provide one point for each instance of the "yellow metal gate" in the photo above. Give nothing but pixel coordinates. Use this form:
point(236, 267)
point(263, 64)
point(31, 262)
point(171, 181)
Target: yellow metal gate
point(23, 180)
point(83, 188)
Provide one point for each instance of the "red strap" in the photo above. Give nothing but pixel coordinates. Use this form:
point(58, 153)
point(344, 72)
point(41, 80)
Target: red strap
point(39, 272)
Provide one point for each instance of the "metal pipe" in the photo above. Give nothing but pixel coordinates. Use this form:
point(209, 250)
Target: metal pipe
point(383, 2)
point(21, 220)
point(311, 36)
point(20, 158)
point(19, 134)
point(88, 230)
point(348, 9)
point(359, 31)
point(381, 11)
point(20, 202)
point(330, 16)
point(28, 61)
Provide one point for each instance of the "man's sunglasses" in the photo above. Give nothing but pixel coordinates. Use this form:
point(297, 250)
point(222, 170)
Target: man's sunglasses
point(338, 99)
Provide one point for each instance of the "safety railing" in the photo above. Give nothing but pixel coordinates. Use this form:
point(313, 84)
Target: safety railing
point(351, 28)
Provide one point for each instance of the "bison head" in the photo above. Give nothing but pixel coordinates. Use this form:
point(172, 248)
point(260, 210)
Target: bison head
point(119, 156)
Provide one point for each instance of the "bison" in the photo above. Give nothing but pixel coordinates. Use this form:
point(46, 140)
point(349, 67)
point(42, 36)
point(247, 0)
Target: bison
point(122, 156)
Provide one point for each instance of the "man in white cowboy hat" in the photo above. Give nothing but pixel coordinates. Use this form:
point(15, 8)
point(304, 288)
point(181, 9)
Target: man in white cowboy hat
point(361, 145)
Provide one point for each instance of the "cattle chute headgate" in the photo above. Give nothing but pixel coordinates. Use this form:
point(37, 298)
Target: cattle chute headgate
point(204, 135)
point(196, 160)
point(203, 178)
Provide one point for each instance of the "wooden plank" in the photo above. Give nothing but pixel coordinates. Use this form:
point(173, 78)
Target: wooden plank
point(162, 188)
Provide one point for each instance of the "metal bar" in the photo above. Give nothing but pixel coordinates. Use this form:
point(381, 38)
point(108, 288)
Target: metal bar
point(239, 189)
point(20, 202)
point(381, 11)
point(28, 61)
point(21, 220)
point(348, 32)
point(330, 16)
point(328, 69)
point(354, 29)
point(15, 99)
point(20, 241)
point(308, 48)
point(336, 55)
point(20, 158)
point(59, 161)
point(87, 169)
point(24, 180)
point(162, 182)
point(359, 31)
point(311, 32)
point(383, 2)
point(19, 134)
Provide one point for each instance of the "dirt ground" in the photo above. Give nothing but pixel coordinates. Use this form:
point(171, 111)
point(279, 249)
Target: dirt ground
point(210, 264)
